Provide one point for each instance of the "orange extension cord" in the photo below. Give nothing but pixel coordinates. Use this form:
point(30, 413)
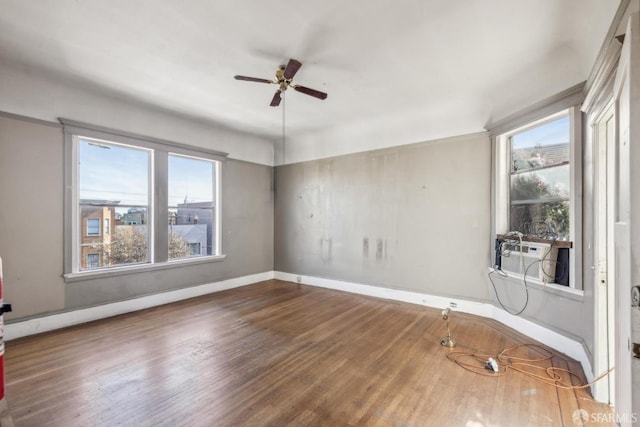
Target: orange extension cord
point(524, 365)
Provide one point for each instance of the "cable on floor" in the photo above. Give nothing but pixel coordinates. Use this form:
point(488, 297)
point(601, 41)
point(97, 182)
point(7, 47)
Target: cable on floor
point(476, 362)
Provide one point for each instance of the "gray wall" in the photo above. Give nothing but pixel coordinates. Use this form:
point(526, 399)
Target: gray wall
point(414, 217)
point(31, 221)
point(31, 190)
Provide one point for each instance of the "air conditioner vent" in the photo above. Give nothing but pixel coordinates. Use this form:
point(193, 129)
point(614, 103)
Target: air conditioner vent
point(537, 260)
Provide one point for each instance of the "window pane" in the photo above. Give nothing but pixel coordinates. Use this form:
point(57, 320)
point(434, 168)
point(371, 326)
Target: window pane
point(191, 207)
point(549, 184)
point(93, 260)
point(113, 182)
point(194, 249)
point(93, 226)
point(542, 146)
point(546, 220)
point(114, 173)
point(540, 180)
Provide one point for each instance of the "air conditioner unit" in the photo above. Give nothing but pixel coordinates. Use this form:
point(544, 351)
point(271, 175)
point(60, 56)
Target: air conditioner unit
point(537, 260)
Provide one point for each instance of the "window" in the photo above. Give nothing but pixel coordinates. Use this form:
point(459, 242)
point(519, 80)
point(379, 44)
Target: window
point(539, 180)
point(194, 249)
point(93, 261)
point(155, 201)
point(191, 206)
point(93, 227)
point(115, 178)
point(537, 183)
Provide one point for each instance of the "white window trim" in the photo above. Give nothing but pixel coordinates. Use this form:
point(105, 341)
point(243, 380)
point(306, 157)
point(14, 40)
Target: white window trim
point(158, 207)
point(500, 131)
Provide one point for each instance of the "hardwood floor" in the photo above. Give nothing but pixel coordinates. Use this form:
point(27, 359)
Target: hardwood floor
point(277, 354)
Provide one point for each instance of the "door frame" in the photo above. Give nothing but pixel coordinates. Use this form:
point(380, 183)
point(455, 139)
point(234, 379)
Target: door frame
point(626, 218)
point(603, 134)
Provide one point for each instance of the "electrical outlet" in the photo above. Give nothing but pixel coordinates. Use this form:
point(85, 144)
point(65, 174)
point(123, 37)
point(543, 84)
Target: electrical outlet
point(453, 304)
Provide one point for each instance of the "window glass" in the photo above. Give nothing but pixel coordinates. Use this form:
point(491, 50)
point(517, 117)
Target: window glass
point(540, 183)
point(191, 207)
point(93, 260)
point(544, 184)
point(113, 189)
point(542, 146)
point(93, 227)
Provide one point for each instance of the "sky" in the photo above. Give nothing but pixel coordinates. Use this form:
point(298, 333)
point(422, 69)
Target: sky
point(190, 178)
point(554, 132)
point(114, 172)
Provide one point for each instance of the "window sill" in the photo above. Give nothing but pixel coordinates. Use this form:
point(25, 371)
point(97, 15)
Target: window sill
point(121, 271)
point(552, 288)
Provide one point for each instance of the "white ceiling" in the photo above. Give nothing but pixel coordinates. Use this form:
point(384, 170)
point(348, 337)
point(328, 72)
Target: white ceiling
point(396, 71)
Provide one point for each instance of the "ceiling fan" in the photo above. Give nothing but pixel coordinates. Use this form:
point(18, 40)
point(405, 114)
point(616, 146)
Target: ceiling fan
point(284, 75)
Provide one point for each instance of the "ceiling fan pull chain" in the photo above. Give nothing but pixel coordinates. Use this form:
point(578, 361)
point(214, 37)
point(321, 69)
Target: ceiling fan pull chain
point(283, 129)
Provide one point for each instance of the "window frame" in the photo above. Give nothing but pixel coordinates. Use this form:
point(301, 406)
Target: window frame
point(567, 102)
point(158, 206)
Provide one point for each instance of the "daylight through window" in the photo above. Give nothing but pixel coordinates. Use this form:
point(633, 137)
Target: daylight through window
point(140, 204)
point(113, 188)
point(540, 180)
point(191, 207)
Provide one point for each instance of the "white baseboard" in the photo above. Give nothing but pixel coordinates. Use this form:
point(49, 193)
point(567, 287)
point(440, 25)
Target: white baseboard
point(75, 317)
point(553, 339)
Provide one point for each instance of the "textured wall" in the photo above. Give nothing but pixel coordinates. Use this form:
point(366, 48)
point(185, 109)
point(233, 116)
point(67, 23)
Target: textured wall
point(414, 217)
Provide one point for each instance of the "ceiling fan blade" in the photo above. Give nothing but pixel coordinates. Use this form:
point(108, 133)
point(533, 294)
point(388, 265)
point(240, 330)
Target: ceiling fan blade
point(252, 79)
point(292, 68)
point(309, 91)
point(276, 99)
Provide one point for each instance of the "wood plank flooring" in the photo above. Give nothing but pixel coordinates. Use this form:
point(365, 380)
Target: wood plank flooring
point(277, 354)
